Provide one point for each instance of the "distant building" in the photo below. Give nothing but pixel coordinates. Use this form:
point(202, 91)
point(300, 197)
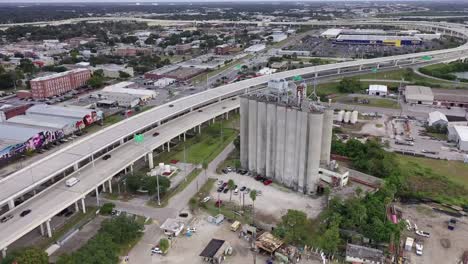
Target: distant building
point(377, 90)
point(215, 251)
point(85, 116)
point(59, 83)
point(113, 70)
point(415, 94)
point(255, 48)
point(132, 51)
point(182, 49)
point(172, 227)
point(174, 72)
point(385, 40)
point(8, 111)
point(122, 88)
point(361, 254)
point(222, 49)
point(451, 97)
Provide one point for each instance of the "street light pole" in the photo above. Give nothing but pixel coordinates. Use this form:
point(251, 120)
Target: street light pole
point(157, 184)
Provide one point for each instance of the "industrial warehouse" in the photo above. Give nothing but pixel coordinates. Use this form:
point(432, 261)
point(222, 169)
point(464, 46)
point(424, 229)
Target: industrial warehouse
point(285, 137)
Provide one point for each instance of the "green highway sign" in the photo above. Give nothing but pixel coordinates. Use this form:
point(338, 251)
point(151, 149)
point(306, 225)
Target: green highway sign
point(297, 78)
point(139, 138)
point(374, 69)
point(426, 58)
point(238, 67)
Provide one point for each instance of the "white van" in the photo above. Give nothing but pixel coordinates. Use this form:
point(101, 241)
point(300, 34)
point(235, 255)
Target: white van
point(72, 181)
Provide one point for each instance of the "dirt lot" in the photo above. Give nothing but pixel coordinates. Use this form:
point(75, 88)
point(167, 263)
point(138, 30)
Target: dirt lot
point(283, 198)
point(436, 224)
point(187, 249)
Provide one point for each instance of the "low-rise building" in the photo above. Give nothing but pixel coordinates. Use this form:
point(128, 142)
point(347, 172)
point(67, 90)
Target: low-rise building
point(172, 227)
point(415, 94)
point(59, 83)
point(437, 118)
point(85, 116)
point(182, 49)
point(222, 49)
point(377, 90)
point(121, 88)
point(255, 48)
point(215, 251)
point(459, 135)
point(361, 254)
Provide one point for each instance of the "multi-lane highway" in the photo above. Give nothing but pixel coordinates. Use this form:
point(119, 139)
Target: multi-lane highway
point(170, 120)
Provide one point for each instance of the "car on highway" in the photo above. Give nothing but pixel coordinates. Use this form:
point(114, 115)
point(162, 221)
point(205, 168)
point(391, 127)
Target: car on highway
point(155, 134)
point(6, 218)
point(25, 212)
point(106, 157)
point(72, 181)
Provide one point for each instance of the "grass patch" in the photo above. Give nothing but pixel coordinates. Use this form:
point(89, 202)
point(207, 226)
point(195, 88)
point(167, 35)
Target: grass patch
point(378, 125)
point(445, 181)
point(374, 102)
point(77, 218)
point(439, 136)
point(205, 146)
point(171, 193)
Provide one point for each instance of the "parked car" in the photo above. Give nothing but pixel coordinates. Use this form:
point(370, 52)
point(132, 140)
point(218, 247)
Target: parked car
point(452, 223)
point(226, 190)
point(267, 182)
point(6, 218)
point(224, 184)
point(259, 193)
point(206, 199)
point(25, 212)
point(243, 188)
point(219, 203)
point(220, 182)
point(229, 169)
point(191, 229)
point(106, 157)
point(220, 189)
point(236, 191)
point(419, 248)
point(259, 178)
point(423, 233)
point(225, 171)
point(156, 250)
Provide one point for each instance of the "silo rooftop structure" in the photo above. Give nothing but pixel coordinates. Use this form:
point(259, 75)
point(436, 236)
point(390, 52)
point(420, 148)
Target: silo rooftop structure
point(285, 136)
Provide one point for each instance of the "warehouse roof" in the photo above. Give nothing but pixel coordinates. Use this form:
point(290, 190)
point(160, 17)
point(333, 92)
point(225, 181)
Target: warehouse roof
point(361, 252)
point(268, 242)
point(121, 88)
point(17, 133)
point(332, 32)
point(212, 248)
point(378, 87)
point(462, 132)
point(436, 116)
point(55, 110)
point(376, 37)
point(419, 93)
point(43, 121)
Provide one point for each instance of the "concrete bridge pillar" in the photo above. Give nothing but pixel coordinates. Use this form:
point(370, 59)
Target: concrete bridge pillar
point(219, 99)
point(41, 226)
point(214, 120)
point(378, 66)
point(199, 129)
point(338, 71)
point(110, 185)
point(413, 60)
point(396, 62)
point(227, 115)
point(121, 141)
point(104, 187)
point(169, 146)
point(83, 206)
point(49, 230)
point(4, 252)
point(163, 147)
point(131, 169)
point(316, 74)
point(97, 196)
point(150, 161)
point(11, 204)
point(77, 208)
point(75, 167)
point(360, 67)
point(185, 136)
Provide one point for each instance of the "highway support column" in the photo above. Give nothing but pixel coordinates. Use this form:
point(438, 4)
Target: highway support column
point(41, 226)
point(110, 185)
point(83, 205)
point(4, 252)
point(150, 161)
point(11, 204)
point(169, 146)
point(77, 208)
point(185, 136)
point(97, 196)
point(49, 230)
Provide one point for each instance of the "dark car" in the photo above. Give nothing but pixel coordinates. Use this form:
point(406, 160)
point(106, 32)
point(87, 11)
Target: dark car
point(6, 218)
point(242, 172)
point(155, 134)
point(106, 157)
point(25, 212)
point(220, 189)
point(243, 188)
point(224, 171)
point(226, 190)
point(224, 184)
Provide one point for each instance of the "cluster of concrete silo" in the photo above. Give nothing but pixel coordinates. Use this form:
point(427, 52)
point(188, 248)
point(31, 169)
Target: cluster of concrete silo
point(346, 117)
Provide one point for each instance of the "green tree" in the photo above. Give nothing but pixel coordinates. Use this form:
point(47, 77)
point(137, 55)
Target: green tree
point(349, 85)
point(124, 75)
point(27, 66)
point(164, 245)
point(231, 185)
point(293, 227)
point(27, 256)
point(106, 209)
point(122, 229)
point(330, 239)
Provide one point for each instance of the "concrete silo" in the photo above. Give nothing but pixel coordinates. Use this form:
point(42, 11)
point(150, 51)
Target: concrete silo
point(354, 117)
point(346, 117)
point(326, 136)
point(261, 139)
point(244, 132)
point(252, 138)
point(340, 116)
point(313, 151)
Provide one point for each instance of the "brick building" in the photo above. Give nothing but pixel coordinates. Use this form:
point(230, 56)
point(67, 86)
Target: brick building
point(222, 49)
point(59, 83)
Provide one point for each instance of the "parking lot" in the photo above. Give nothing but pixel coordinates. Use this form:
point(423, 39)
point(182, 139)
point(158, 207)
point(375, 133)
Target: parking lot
point(443, 245)
point(274, 201)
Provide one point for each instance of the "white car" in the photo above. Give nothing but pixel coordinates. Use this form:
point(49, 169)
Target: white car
point(220, 182)
point(191, 229)
point(419, 249)
point(156, 250)
point(206, 199)
point(422, 233)
point(236, 191)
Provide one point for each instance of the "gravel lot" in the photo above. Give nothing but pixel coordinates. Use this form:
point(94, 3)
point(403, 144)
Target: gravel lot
point(436, 224)
point(275, 199)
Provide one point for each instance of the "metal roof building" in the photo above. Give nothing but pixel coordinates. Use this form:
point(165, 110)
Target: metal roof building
point(415, 94)
point(67, 125)
point(89, 115)
point(459, 134)
point(437, 118)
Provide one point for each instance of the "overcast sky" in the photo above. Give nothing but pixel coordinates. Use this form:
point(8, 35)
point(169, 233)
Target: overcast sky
point(186, 1)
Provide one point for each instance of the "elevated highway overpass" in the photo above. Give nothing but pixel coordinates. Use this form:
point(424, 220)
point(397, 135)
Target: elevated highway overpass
point(81, 158)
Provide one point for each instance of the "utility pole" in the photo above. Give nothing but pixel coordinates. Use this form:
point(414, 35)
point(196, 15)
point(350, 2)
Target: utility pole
point(157, 184)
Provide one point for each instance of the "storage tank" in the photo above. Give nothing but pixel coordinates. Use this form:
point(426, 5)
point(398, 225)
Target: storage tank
point(340, 115)
point(347, 117)
point(167, 168)
point(354, 117)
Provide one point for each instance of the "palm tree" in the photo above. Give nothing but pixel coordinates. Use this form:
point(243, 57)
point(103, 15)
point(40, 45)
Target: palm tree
point(231, 185)
point(253, 197)
point(205, 167)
